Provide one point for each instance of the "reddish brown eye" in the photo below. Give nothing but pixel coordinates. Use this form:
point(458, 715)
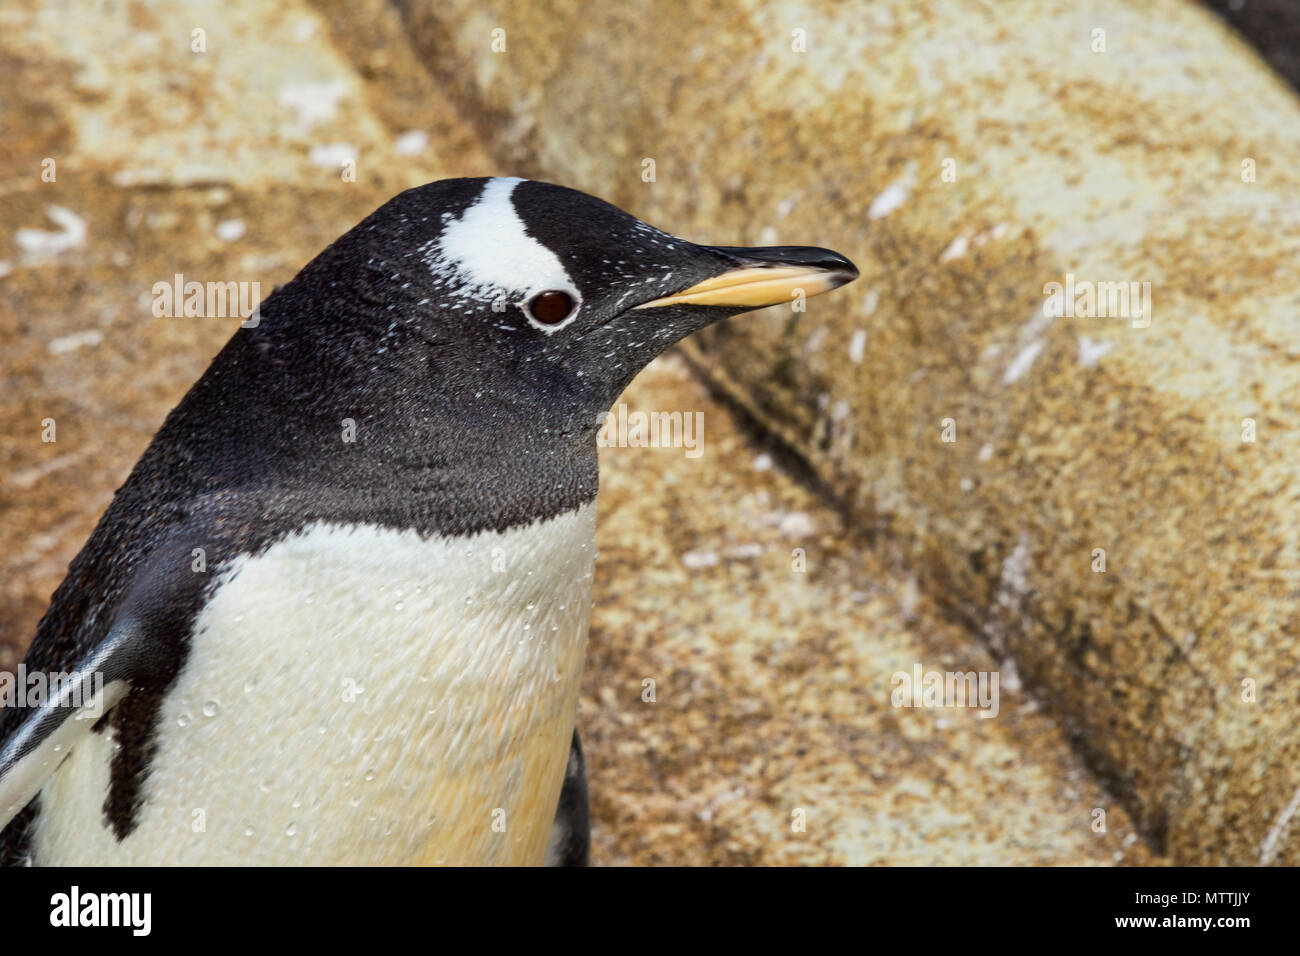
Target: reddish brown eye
point(551, 308)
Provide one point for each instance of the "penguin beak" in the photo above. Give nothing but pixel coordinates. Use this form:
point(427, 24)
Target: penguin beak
point(765, 276)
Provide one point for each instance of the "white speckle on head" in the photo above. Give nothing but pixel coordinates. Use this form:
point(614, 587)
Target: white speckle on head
point(487, 254)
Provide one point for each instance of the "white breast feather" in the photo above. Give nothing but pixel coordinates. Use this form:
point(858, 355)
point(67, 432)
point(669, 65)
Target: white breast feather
point(358, 695)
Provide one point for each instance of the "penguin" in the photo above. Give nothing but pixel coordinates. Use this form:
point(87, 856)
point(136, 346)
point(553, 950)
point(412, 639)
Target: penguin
point(337, 613)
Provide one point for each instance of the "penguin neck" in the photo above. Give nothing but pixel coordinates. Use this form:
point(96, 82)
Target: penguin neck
point(408, 442)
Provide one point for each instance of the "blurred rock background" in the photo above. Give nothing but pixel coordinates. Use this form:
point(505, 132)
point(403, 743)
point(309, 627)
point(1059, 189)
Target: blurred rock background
point(822, 429)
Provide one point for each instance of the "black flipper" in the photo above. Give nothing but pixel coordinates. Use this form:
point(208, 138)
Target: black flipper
point(570, 843)
point(125, 671)
point(51, 729)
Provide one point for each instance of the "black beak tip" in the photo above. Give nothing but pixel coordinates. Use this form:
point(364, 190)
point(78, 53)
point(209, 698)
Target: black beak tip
point(813, 257)
point(842, 267)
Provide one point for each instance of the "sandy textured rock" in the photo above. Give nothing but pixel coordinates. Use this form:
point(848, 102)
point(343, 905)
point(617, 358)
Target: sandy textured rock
point(1073, 433)
point(772, 686)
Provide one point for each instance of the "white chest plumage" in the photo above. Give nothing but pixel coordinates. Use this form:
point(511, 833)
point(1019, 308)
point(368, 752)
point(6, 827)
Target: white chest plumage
point(358, 695)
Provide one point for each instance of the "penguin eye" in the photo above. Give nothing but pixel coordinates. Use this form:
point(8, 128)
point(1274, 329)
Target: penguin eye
point(551, 308)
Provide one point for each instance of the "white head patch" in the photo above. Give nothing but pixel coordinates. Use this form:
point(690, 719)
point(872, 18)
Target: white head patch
point(486, 255)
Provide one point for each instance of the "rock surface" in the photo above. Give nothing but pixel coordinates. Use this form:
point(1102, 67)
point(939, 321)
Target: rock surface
point(772, 686)
point(967, 156)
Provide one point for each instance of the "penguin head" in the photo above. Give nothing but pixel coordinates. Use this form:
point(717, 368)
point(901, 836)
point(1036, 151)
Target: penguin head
point(551, 293)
